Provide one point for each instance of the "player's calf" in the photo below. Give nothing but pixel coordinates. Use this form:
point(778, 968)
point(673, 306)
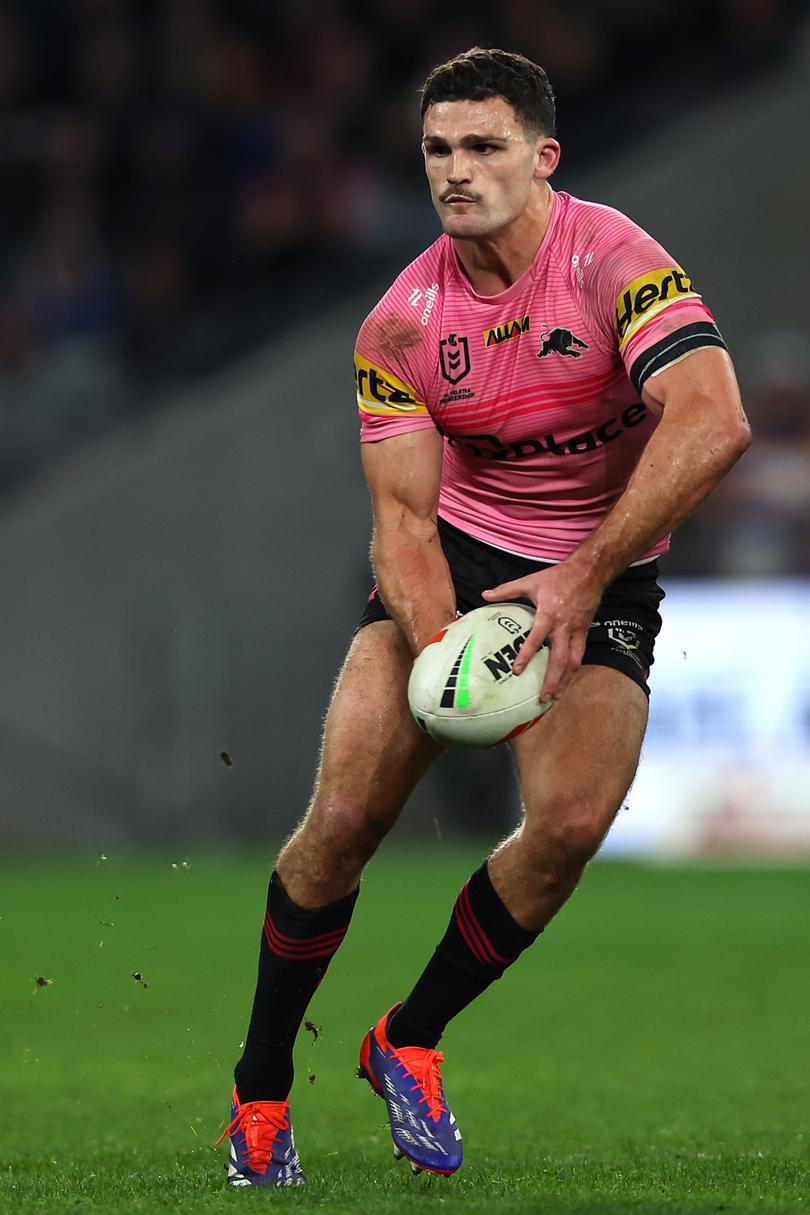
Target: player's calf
point(296, 947)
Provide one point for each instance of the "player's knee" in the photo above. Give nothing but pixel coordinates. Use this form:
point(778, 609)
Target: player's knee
point(564, 846)
point(580, 841)
point(344, 829)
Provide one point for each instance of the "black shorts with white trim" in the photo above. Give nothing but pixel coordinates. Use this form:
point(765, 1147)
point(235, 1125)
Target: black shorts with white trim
point(672, 348)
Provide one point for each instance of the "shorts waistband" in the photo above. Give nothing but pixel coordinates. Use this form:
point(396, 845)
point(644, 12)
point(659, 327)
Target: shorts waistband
point(646, 569)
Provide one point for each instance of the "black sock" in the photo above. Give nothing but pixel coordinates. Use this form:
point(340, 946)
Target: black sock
point(481, 940)
point(296, 948)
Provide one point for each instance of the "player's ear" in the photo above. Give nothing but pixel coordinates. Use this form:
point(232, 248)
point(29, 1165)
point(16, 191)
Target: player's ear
point(547, 157)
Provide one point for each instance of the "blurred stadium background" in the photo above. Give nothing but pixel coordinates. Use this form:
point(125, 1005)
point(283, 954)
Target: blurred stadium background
point(199, 201)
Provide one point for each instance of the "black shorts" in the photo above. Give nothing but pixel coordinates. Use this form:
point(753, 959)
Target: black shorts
point(624, 627)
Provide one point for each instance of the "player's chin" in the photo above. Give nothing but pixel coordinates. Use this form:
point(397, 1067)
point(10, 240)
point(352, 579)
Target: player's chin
point(462, 225)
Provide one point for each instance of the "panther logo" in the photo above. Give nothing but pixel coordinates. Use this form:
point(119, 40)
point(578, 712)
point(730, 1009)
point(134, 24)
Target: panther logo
point(562, 341)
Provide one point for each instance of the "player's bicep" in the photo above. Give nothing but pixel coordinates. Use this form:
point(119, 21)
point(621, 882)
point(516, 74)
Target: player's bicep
point(403, 475)
point(702, 382)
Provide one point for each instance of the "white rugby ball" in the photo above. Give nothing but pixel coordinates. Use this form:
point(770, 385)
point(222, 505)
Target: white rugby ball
point(462, 691)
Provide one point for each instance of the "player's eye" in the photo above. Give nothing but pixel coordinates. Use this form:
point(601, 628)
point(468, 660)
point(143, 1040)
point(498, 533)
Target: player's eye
point(437, 149)
point(485, 148)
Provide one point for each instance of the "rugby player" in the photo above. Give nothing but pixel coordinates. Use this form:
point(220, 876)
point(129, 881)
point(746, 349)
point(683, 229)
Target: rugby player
point(543, 397)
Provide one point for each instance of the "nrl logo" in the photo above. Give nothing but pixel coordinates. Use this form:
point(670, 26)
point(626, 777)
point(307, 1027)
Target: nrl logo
point(454, 358)
point(627, 638)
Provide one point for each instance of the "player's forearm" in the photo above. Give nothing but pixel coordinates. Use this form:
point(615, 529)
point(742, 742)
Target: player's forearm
point(414, 580)
point(677, 469)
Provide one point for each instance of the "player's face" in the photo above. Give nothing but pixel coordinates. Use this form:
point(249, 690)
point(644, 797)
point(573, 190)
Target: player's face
point(482, 164)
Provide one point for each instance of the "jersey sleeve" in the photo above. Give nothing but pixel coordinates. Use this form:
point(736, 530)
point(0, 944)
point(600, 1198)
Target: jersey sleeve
point(647, 306)
point(390, 374)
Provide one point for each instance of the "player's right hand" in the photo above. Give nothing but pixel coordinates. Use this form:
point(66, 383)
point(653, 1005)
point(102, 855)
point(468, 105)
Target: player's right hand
point(565, 597)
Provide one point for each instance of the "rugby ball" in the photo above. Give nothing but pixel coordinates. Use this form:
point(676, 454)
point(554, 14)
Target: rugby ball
point(462, 690)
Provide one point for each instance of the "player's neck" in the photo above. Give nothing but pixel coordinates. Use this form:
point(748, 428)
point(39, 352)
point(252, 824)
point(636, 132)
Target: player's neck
point(493, 264)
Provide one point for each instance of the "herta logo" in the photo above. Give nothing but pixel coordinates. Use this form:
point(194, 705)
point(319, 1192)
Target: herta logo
point(502, 333)
point(454, 358)
point(562, 341)
point(380, 392)
point(648, 295)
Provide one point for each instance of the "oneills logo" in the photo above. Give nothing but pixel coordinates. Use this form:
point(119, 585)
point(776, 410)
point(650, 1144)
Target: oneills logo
point(648, 295)
point(502, 333)
point(380, 392)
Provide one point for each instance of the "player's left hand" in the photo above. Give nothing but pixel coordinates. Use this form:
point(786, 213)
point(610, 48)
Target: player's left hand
point(565, 599)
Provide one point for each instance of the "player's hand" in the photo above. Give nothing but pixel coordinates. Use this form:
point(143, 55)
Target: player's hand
point(565, 599)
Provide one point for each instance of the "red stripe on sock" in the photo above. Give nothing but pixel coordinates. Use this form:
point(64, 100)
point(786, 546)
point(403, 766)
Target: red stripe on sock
point(323, 937)
point(488, 955)
point(468, 941)
point(304, 949)
point(323, 941)
point(301, 956)
point(496, 959)
point(466, 925)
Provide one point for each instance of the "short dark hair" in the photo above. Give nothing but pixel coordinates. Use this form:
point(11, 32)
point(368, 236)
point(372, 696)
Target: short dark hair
point(480, 73)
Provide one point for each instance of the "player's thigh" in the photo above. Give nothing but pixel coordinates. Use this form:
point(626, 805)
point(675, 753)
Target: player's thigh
point(372, 752)
point(577, 763)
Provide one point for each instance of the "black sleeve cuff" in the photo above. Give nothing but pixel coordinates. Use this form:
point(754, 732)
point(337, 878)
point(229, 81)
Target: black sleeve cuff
point(673, 347)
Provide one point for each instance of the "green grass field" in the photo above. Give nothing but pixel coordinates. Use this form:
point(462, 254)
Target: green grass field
point(651, 1053)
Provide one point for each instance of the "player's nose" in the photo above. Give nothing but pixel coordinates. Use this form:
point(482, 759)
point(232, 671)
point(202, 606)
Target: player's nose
point(458, 168)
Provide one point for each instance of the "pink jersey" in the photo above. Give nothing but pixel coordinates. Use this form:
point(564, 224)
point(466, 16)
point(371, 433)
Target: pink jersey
point(536, 390)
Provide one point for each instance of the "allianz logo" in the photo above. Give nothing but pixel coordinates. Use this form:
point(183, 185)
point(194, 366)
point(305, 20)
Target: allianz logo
point(430, 296)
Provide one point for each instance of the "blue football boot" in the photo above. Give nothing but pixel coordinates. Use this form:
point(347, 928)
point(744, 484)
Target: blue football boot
point(408, 1079)
point(262, 1145)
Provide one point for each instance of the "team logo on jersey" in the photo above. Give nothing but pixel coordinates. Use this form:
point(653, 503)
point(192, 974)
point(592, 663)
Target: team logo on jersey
point(454, 358)
point(562, 341)
point(646, 296)
point(381, 392)
point(502, 333)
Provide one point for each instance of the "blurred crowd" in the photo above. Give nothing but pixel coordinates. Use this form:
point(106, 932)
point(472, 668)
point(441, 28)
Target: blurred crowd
point(174, 173)
point(757, 522)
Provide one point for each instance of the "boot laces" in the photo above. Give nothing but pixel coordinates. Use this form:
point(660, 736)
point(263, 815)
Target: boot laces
point(423, 1065)
point(260, 1123)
